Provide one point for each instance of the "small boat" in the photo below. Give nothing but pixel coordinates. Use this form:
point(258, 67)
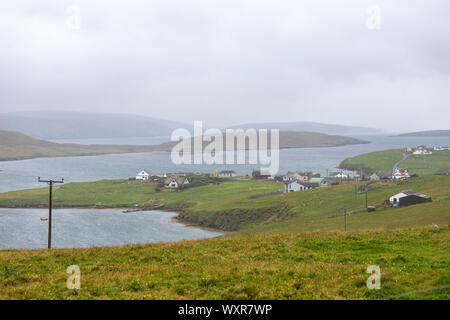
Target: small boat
point(44, 219)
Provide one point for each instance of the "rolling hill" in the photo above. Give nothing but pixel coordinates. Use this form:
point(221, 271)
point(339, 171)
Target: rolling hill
point(54, 125)
point(50, 125)
point(16, 146)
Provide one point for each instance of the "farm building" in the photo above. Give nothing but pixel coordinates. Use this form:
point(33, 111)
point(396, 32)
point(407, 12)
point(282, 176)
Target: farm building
point(409, 197)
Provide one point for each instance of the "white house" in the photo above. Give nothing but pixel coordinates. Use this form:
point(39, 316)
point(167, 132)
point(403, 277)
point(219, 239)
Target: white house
point(173, 183)
point(422, 152)
point(292, 186)
point(374, 177)
point(143, 175)
point(339, 175)
point(297, 175)
point(400, 174)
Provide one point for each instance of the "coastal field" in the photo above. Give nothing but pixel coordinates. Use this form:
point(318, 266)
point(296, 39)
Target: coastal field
point(250, 206)
point(283, 246)
point(319, 265)
point(384, 161)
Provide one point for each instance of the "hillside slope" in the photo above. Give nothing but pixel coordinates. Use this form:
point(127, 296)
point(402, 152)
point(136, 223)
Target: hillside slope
point(383, 162)
point(16, 146)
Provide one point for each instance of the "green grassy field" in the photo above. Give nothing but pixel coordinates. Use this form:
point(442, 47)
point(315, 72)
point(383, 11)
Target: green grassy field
point(379, 161)
point(320, 265)
point(255, 206)
point(439, 161)
point(383, 161)
point(284, 246)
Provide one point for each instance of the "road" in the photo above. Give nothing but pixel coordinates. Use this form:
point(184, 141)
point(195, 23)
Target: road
point(404, 157)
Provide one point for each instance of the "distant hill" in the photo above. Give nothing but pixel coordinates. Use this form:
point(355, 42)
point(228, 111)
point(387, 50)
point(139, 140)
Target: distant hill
point(428, 133)
point(310, 127)
point(54, 125)
point(84, 125)
point(15, 145)
point(292, 139)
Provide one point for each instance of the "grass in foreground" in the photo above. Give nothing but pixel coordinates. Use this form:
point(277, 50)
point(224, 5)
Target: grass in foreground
point(289, 266)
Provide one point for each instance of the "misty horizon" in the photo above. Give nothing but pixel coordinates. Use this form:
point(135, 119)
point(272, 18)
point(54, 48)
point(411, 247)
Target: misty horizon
point(231, 63)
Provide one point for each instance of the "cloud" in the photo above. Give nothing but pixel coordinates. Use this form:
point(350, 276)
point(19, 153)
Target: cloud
point(227, 62)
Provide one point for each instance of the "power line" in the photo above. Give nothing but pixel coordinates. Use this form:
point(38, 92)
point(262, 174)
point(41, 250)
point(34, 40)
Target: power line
point(50, 183)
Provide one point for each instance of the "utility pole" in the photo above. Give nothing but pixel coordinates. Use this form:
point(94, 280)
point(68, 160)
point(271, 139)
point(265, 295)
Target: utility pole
point(345, 220)
point(50, 183)
point(366, 197)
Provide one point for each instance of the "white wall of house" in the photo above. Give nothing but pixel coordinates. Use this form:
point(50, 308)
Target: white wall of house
point(396, 197)
point(143, 175)
point(294, 186)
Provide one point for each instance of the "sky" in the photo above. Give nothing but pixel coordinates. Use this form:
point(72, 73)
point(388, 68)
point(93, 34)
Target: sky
point(382, 64)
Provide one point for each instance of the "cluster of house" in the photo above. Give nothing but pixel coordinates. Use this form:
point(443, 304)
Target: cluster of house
point(439, 148)
point(398, 174)
point(303, 180)
point(171, 180)
point(423, 150)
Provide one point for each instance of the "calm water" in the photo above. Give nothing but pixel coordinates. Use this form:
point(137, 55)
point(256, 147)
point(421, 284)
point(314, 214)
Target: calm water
point(15, 175)
point(74, 228)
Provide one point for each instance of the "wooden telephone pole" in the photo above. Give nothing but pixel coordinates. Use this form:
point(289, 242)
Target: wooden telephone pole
point(50, 183)
point(345, 220)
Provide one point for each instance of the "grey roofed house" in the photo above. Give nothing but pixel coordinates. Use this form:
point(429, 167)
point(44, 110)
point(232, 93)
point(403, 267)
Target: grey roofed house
point(311, 185)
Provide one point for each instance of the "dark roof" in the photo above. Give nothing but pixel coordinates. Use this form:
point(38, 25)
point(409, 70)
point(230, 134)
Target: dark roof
point(311, 184)
point(227, 171)
point(414, 193)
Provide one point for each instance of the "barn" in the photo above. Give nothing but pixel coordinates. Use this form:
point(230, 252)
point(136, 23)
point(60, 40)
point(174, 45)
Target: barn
point(409, 197)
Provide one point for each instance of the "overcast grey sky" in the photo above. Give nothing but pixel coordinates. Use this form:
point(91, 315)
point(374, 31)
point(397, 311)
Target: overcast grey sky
point(229, 62)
